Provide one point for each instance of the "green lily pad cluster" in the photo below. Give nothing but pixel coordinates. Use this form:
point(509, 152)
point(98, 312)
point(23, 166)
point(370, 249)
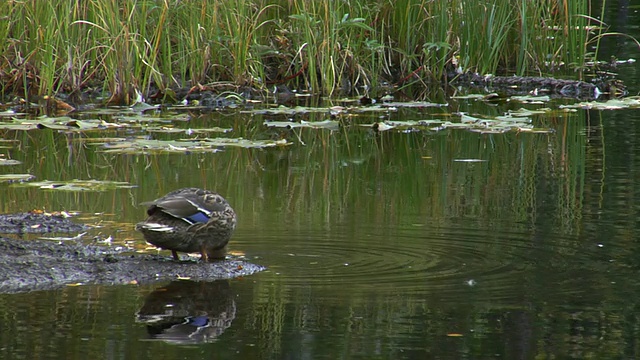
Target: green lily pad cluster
point(15, 177)
point(9, 162)
point(484, 125)
point(146, 146)
point(79, 185)
point(326, 124)
point(612, 104)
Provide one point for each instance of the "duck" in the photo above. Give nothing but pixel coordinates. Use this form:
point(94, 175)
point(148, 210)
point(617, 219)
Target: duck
point(190, 220)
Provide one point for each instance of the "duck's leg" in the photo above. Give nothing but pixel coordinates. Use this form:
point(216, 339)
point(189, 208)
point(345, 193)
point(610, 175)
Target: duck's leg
point(204, 256)
point(175, 255)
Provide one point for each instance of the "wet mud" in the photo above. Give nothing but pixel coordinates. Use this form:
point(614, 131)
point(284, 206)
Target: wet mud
point(29, 265)
point(34, 222)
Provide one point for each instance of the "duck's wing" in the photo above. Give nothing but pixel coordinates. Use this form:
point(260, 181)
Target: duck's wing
point(192, 207)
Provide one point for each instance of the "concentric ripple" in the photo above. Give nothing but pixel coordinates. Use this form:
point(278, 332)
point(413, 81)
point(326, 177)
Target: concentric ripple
point(416, 258)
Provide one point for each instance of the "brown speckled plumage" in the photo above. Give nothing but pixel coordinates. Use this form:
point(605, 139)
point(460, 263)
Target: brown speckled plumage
point(190, 220)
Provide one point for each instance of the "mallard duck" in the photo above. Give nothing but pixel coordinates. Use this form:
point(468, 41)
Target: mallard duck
point(189, 220)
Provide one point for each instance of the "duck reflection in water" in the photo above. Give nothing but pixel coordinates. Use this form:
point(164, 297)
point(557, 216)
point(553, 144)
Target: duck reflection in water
point(188, 312)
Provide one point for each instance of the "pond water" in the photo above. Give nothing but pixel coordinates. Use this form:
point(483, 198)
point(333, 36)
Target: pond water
point(379, 245)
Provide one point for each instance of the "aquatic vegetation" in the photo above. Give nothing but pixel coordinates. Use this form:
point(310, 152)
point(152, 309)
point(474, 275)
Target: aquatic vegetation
point(185, 146)
point(15, 177)
point(78, 185)
point(129, 51)
point(484, 125)
point(611, 104)
point(326, 124)
point(9, 162)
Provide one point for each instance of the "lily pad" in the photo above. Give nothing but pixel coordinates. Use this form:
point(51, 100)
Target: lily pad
point(15, 177)
point(80, 185)
point(476, 96)
point(245, 143)
point(326, 124)
point(284, 110)
point(612, 104)
point(172, 130)
point(141, 106)
point(140, 118)
point(59, 123)
point(9, 162)
point(144, 146)
point(9, 113)
point(531, 99)
point(496, 125)
point(522, 112)
point(375, 108)
point(412, 104)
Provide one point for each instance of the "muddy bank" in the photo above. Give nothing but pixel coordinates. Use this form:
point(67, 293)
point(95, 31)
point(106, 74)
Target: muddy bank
point(28, 265)
point(37, 222)
point(230, 95)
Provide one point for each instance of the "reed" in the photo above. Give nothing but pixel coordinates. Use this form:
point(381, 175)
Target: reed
point(130, 47)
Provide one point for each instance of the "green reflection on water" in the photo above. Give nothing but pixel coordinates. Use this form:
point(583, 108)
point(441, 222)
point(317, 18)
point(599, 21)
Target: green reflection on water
point(381, 176)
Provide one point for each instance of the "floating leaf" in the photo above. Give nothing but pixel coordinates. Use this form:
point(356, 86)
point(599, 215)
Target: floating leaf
point(412, 104)
point(326, 124)
point(497, 125)
point(381, 126)
point(245, 143)
point(537, 130)
point(171, 130)
point(15, 177)
point(477, 96)
point(17, 126)
point(9, 162)
point(80, 185)
point(528, 112)
point(59, 123)
point(404, 125)
point(284, 110)
point(143, 146)
point(10, 113)
point(612, 104)
point(530, 99)
point(510, 118)
point(141, 106)
point(138, 118)
point(375, 108)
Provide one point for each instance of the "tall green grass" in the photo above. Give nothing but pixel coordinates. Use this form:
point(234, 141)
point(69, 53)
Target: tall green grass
point(129, 48)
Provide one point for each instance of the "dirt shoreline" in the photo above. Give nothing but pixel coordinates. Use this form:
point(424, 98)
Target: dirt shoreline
point(30, 265)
